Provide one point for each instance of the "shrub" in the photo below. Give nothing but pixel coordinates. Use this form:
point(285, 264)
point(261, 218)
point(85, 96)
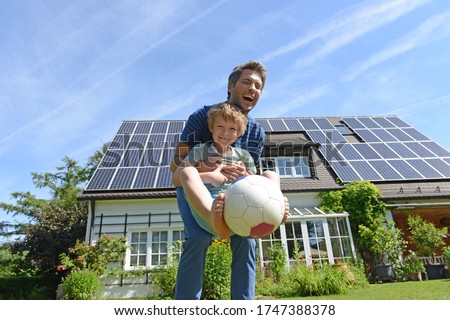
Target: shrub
point(217, 275)
point(164, 278)
point(82, 285)
point(278, 263)
point(24, 288)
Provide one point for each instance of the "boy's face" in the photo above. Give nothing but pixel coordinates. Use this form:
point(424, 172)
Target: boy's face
point(224, 133)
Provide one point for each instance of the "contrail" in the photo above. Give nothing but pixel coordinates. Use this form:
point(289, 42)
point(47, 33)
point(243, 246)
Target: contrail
point(116, 71)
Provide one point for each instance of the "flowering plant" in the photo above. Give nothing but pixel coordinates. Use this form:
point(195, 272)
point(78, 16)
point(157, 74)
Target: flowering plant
point(95, 258)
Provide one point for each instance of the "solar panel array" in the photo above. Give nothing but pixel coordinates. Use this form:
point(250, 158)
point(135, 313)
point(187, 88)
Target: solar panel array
point(388, 150)
point(138, 157)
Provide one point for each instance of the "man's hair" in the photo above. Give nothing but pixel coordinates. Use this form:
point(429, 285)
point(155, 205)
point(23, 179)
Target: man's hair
point(251, 65)
point(228, 112)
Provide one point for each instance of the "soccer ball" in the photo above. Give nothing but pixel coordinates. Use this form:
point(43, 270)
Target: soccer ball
point(254, 206)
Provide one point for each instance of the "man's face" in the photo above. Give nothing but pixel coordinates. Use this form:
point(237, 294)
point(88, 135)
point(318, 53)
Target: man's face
point(246, 91)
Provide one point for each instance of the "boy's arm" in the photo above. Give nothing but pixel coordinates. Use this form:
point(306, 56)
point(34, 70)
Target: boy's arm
point(208, 169)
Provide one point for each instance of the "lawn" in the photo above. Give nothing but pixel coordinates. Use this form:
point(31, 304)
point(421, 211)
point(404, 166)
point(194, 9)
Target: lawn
point(410, 290)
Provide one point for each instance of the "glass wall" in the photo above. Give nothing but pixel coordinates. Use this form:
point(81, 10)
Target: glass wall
point(316, 237)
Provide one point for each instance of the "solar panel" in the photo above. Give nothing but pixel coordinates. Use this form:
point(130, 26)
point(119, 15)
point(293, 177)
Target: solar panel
point(366, 151)
point(323, 123)
point(384, 151)
point(436, 149)
point(415, 134)
point(164, 177)
point(405, 169)
point(402, 150)
point(101, 179)
point(119, 141)
point(349, 152)
point(385, 170)
point(384, 135)
point(151, 158)
point(308, 124)
point(345, 172)
point(123, 178)
point(419, 149)
point(318, 136)
point(111, 158)
point(143, 128)
point(277, 125)
point(400, 134)
point(424, 168)
point(331, 152)
point(127, 128)
point(367, 135)
point(293, 125)
point(265, 124)
point(440, 165)
point(353, 123)
point(325, 137)
point(145, 178)
point(131, 158)
point(160, 127)
point(368, 123)
point(398, 122)
point(383, 122)
point(366, 171)
point(176, 126)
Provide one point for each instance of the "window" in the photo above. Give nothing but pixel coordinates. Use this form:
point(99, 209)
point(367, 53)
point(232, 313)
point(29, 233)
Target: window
point(138, 244)
point(152, 248)
point(340, 238)
point(288, 166)
point(316, 237)
point(294, 239)
point(343, 129)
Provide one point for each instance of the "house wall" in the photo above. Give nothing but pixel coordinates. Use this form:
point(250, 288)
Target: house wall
point(110, 216)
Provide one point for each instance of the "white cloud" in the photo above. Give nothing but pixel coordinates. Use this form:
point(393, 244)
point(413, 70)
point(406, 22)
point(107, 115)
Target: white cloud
point(433, 29)
point(347, 26)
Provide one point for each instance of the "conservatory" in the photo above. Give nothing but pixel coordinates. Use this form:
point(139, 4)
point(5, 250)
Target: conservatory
point(311, 235)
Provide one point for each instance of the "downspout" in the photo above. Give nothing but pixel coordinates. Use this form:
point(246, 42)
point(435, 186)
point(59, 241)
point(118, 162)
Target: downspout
point(92, 218)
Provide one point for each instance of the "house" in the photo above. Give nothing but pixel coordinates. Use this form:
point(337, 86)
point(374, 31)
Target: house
point(131, 192)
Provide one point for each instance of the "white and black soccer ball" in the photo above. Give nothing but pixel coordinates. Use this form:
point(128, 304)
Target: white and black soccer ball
point(254, 206)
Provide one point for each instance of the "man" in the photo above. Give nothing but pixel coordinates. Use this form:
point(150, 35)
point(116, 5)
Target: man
point(245, 85)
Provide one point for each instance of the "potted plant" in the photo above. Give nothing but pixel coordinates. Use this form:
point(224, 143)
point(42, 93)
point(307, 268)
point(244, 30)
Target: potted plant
point(428, 240)
point(413, 267)
point(386, 243)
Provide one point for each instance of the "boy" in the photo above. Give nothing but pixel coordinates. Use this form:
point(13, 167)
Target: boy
point(205, 192)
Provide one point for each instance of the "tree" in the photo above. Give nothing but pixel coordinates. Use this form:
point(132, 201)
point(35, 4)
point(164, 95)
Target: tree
point(362, 200)
point(56, 223)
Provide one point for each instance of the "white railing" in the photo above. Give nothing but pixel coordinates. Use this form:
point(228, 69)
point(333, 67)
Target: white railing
point(429, 260)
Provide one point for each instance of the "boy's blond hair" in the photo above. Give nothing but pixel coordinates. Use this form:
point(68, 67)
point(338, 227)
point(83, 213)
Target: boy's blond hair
point(227, 112)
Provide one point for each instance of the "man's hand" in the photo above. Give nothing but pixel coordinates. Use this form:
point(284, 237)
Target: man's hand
point(215, 177)
point(286, 210)
point(232, 171)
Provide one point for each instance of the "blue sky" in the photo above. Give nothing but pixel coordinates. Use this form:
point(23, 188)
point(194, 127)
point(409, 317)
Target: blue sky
point(72, 71)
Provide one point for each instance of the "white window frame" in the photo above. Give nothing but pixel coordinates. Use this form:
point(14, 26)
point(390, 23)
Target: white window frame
point(279, 163)
point(330, 258)
point(150, 246)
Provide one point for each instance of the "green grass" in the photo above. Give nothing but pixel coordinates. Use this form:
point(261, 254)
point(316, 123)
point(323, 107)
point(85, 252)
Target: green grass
point(410, 290)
